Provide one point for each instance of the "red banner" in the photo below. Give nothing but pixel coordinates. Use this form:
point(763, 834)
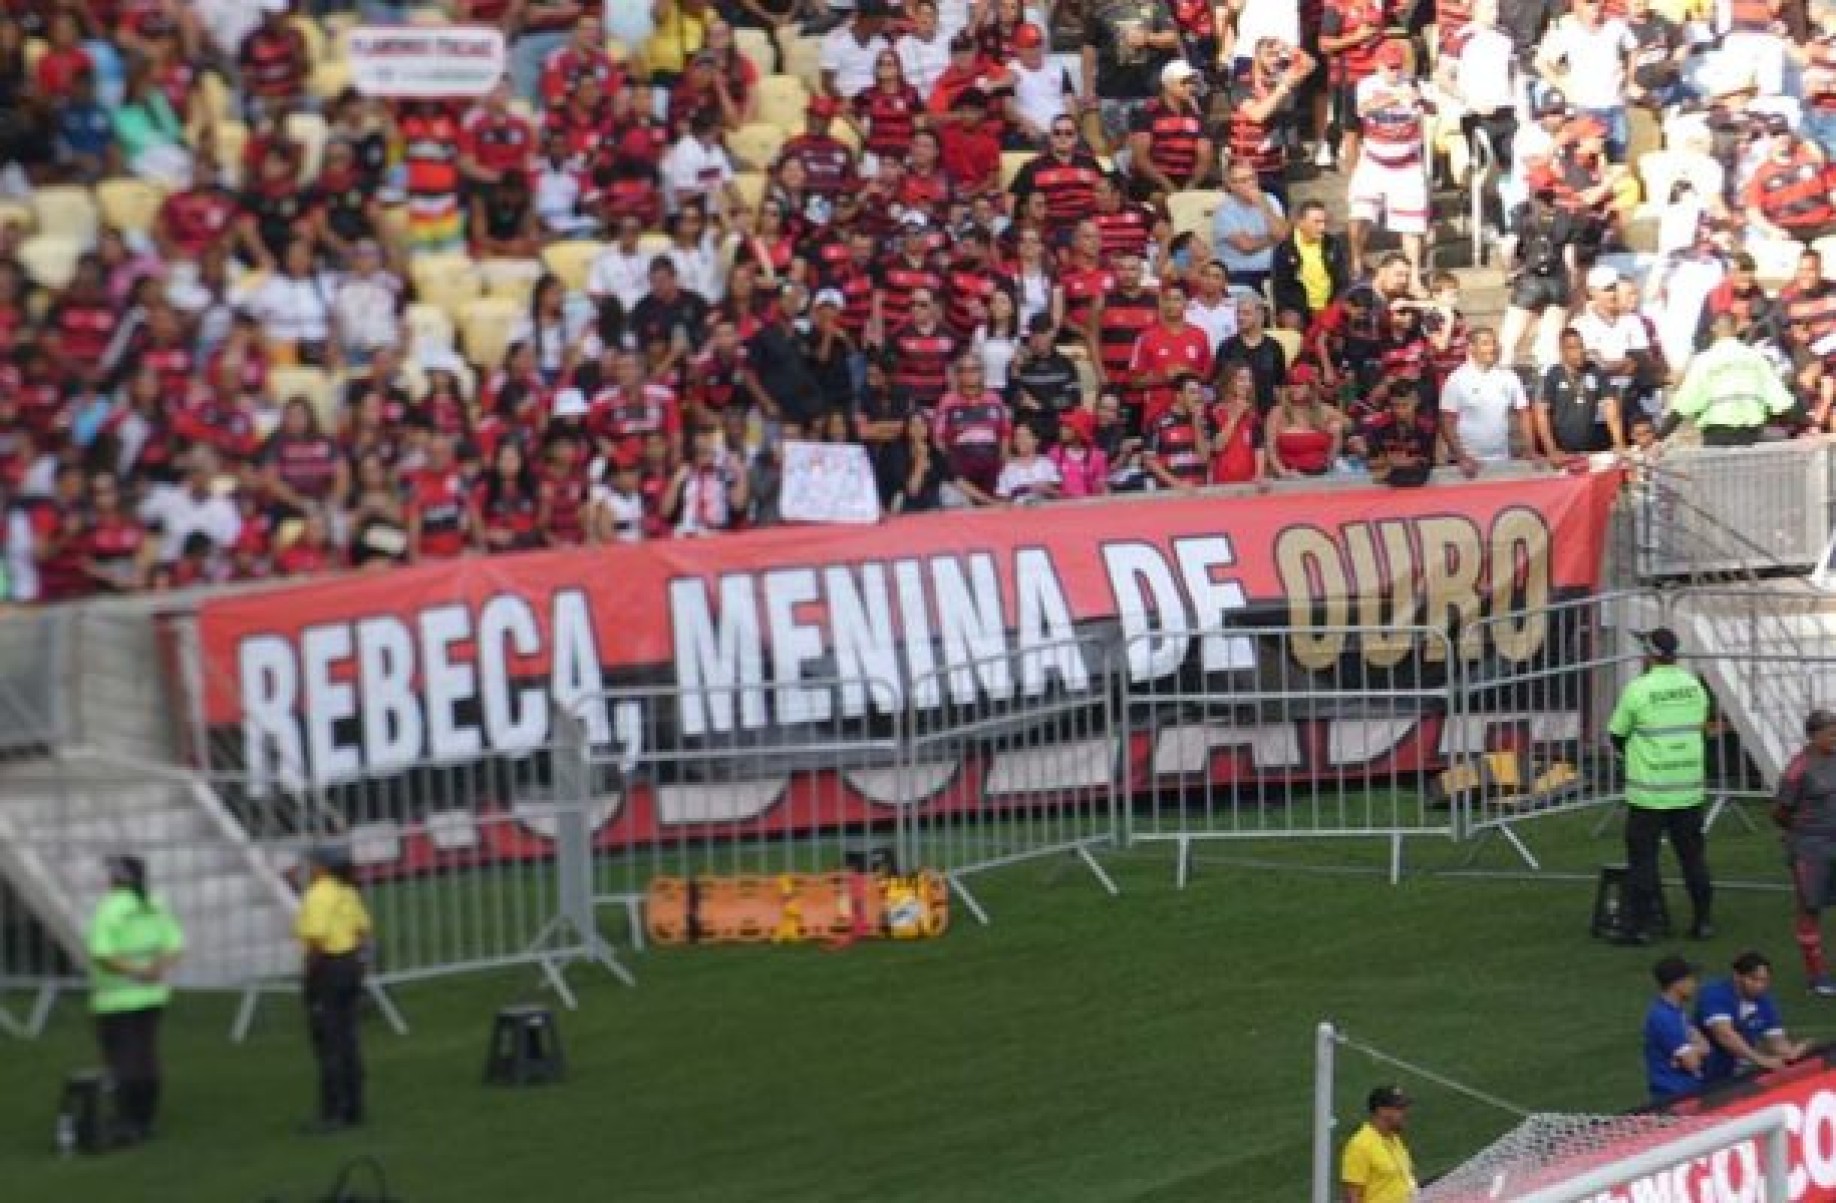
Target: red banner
point(369, 675)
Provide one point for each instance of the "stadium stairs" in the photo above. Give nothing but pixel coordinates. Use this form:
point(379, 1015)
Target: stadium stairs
point(88, 768)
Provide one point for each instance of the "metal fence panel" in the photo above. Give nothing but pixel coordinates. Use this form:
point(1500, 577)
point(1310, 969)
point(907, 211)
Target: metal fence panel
point(1530, 737)
point(1013, 757)
point(1287, 732)
point(1709, 510)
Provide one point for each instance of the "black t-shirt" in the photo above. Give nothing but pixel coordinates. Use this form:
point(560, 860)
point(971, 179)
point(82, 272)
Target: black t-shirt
point(1050, 379)
point(1124, 74)
point(1577, 404)
point(653, 319)
point(780, 361)
point(1656, 39)
point(1268, 363)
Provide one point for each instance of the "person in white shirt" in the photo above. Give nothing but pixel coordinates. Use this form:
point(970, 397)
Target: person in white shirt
point(697, 166)
point(1212, 307)
point(1259, 19)
point(1533, 143)
point(1752, 50)
point(616, 513)
point(1479, 403)
point(1584, 54)
point(366, 306)
point(295, 310)
point(621, 270)
point(849, 51)
point(1027, 476)
point(1616, 340)
point(924, 51)
point(194, 507)
point(1482, 78)
point(1040, 86)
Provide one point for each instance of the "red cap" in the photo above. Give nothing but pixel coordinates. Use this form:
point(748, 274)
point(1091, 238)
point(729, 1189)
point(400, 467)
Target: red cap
point(1392, 54)
point(1029, 37)
point(1080, 422)
point(1303, 373)
point(1585, 127)
point(823, 106)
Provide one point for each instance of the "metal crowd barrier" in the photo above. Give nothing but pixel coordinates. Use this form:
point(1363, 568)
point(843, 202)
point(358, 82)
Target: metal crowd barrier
point(1702, 511)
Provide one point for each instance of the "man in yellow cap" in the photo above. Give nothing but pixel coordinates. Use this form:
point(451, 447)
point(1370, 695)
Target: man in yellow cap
point(333, 928)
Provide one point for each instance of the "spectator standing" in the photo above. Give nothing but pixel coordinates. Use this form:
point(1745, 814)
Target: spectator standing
point(1658, 727)
point(1376, 1166)
point(1351, 33)
point(1262, 113)
point(1585, 55)
point(1480, 402)
point(1390, 182)
point(850, 50)
point(1576, 411)
point(924, 48)
point(1042, 90)
point(1252, 345)
point(1127, 43)
point(1741, 1020)
point(1674, 1048)
point(1805, 807)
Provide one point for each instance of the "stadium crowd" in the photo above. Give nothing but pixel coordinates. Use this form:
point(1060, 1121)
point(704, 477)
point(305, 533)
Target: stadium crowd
point(257, 324)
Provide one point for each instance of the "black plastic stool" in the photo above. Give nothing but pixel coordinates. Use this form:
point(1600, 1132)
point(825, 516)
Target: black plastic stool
point(84, 1107)
point(525, 1048)
point(1610, 906)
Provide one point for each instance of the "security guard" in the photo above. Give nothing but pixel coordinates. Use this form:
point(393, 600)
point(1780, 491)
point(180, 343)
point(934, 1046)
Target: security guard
point(333, 928)
point(1658, 727)
point(133, 943)
point(1731, 390)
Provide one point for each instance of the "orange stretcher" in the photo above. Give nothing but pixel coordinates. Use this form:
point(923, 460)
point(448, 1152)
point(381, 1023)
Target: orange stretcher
point(795, 908)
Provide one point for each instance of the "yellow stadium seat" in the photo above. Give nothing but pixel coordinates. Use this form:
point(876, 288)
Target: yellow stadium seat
point(314, 34)
point(228, 139)
point(756, 47)
point(330, 78)
point(756, 146)
point(751, 186)
point(429, 15)
point(130, 206)
point(571, 261)
point(847, 135)
point(485, 324)
point(1826, 247)
point(803, 62)
point(789, 34)
point(35, 49)
point(429, 326)
point(310, 131)
point(314, 384)
point(68, 211)
point(50, 259)
point(446, 281)
point(214, 96)
point(512, 278)
point(782, 100)
point(653, 244)
point(1192, 209)
point(1011, 163)
point(395, 225)
point(338, 28)
point(16, 213)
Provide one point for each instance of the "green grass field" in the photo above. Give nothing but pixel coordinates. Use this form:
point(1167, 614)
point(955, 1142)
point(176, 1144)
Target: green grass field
point(1155, 1046)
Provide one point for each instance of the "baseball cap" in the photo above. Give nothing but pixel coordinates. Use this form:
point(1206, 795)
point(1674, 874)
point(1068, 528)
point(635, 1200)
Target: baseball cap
point(1660, 641)
point(827, 296)
point(570, 403)
point(1080, 422)
point(1175, 71)
point(1602, 275)
point(330, 856)
point(1552, 102)
point(1819, 720)
point(1671, 970)
point(1387, 1096)
point(1303, 373)
point(914, 222)
point(1585, 127)
point(1392, 54)
point(1028, 37)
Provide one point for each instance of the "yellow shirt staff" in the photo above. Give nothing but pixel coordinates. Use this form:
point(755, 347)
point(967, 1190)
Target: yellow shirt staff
point(334, 930)
point(1376, 1166)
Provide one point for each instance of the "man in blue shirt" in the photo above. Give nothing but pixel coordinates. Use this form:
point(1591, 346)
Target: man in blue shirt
point(1742, 1022)
point(1674, 1049)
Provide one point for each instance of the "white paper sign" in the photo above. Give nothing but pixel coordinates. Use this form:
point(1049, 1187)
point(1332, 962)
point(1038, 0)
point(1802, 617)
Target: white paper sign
point(828, 482)
point(425, 61)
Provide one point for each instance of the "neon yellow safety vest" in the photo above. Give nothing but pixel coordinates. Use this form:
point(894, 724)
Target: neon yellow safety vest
point(125, 928)
point(1661, 716)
